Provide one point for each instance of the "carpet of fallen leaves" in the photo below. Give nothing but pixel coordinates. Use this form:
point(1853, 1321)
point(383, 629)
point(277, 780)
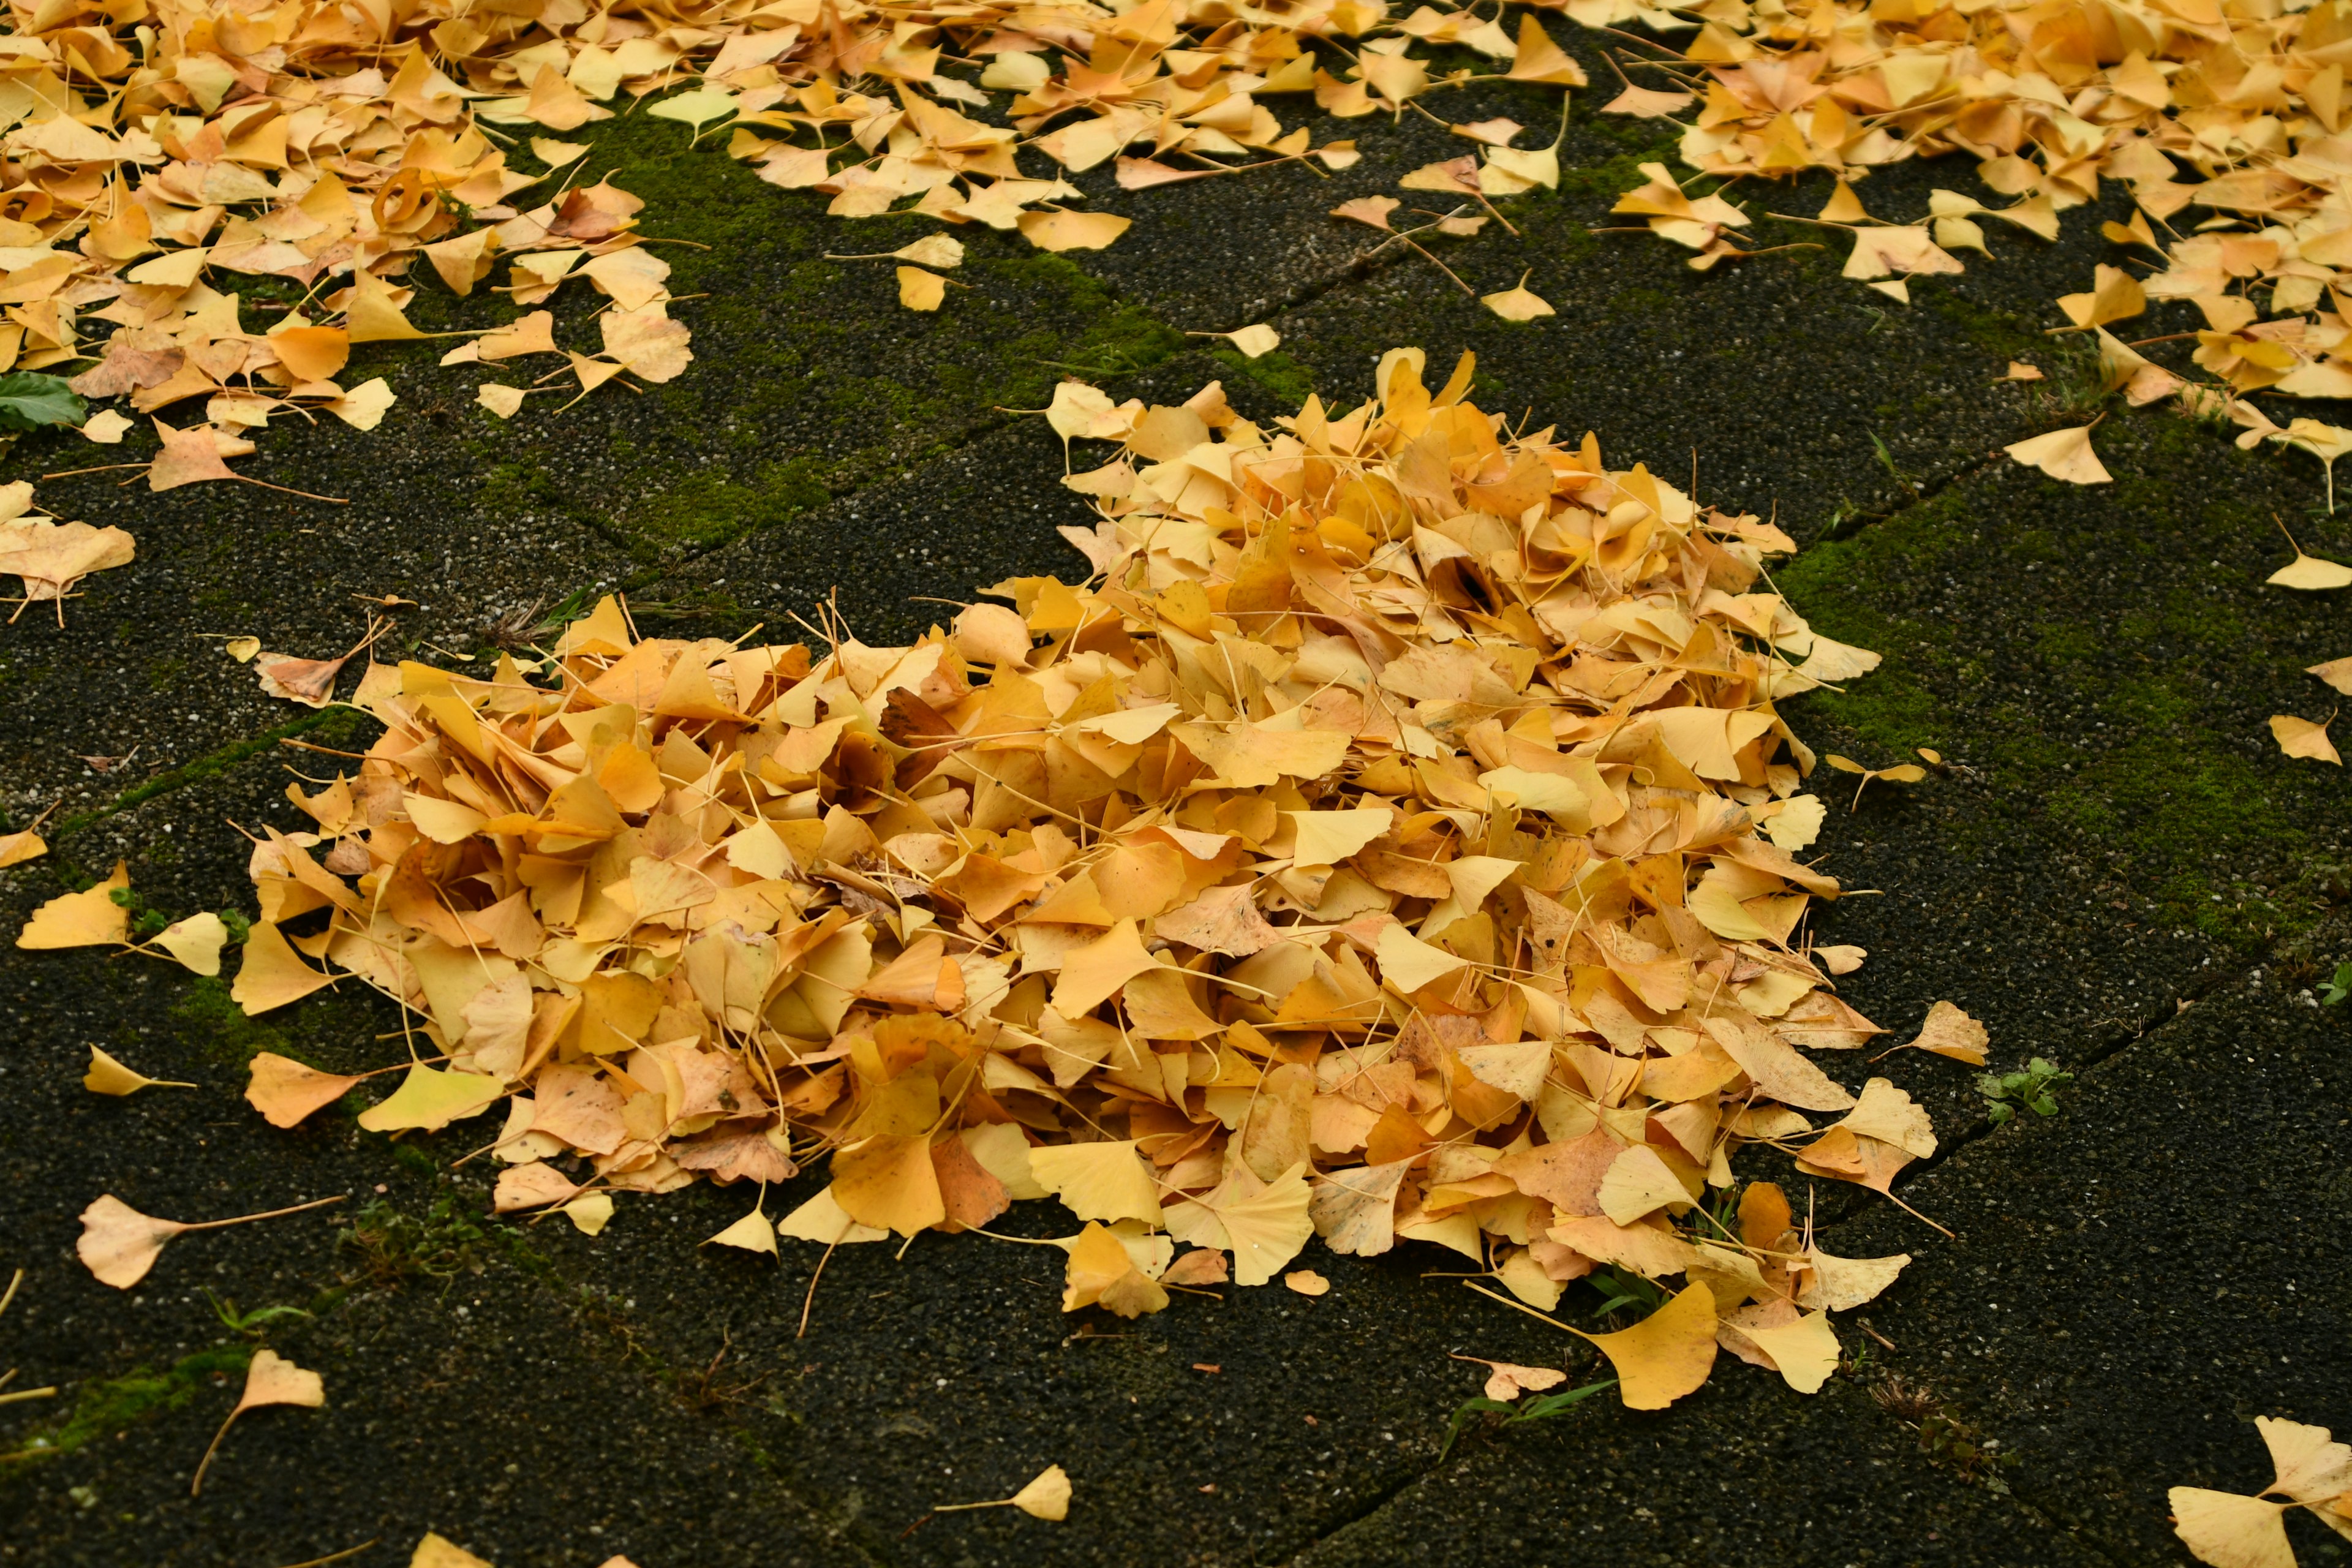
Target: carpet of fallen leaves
point(1392, 839)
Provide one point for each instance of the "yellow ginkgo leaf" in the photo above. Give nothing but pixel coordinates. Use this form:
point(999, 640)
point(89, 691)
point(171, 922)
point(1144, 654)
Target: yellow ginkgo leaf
point(285, 1090)
point(196, 942)
point(18, 848)
point(889, 1182)
point(1099, 1181)
point(429, 1099)
point(1092, 974)
point(1262, 1224)
point(1101, 1272)
point(1059, 231)
point(2065, 455)
point(271, 975)
point(753, 1233)
point(1519, 302)
point(1408, 963)
point(591, 1212)
point(2310, 574)
point(1638, 1183)
point(1666, 1355)
point(2302, 738)
point(1047, 1497)
point(438, 1551)
point(269, 1379)
point(1306, 1282)
point(1255, 341)
point(920, 290)
point(2230, 1531)
point(1806, 1351)
point(107, 1076)
point(88, 919)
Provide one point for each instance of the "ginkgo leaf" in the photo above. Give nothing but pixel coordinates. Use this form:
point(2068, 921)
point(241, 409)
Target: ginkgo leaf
point(753, 1233)
point(270, 975)
point(1099, 1181)
point(2310, 574)
point(1797, 823)
point(1639, 1183)
point(920, 290)
point(890, 1183)
point(1262, 1224)
point(1806, 1352)
point(118, 1244)
point(2313, 1468)
point(1506, 1381)
point(1518, 303)
point(1948, 1032)
point(1255, 341)
point(2302, 738)
point(1061, 231)
point(1101, 1272)
point(196, 942)
point(1408, 963)
point(24, 845)
point(1373, 210)
point(88, 919)
point(107, 1076)
point(285, 1090)
point(1306, 1282)
point(1842, 1284)
point(506, 402)
point(591, 1212)
point(1666, 1355)
point(269, 1379)
point(2337, 672)
point(1354, 1211)
point(2230, 1531)
point(697, 107)
point(1047, 1497)
point(437, 1552)
point(2066, 455)
point(1092, 974)
point(429, 1099)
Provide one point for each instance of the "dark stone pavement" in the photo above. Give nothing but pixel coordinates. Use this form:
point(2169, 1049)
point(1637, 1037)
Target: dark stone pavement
point(2130, 1283)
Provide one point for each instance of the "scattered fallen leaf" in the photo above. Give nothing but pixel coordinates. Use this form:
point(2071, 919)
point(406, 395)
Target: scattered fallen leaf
point(1518, 303)
point(118, 1244)
point(107, 1076)
point(920, 290)
point(269, 1379)
point(86, 918)
point(2310, 574)
point(1306, 1282)
point(2302, 738)
point(2065, 455)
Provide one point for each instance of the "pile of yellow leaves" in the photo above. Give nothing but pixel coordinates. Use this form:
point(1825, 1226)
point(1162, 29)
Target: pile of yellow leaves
point(2248, 95)
point(1391, 839)
point(156, 151)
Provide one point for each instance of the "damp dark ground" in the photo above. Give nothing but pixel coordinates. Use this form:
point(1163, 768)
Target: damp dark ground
point(2114, 868)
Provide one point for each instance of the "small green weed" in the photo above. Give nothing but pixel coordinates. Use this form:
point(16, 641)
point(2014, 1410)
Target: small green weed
point(2337, 986)
point(395, 1247)
point(2030, 1088)
point(249, 1323)
point(1537, 1408)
